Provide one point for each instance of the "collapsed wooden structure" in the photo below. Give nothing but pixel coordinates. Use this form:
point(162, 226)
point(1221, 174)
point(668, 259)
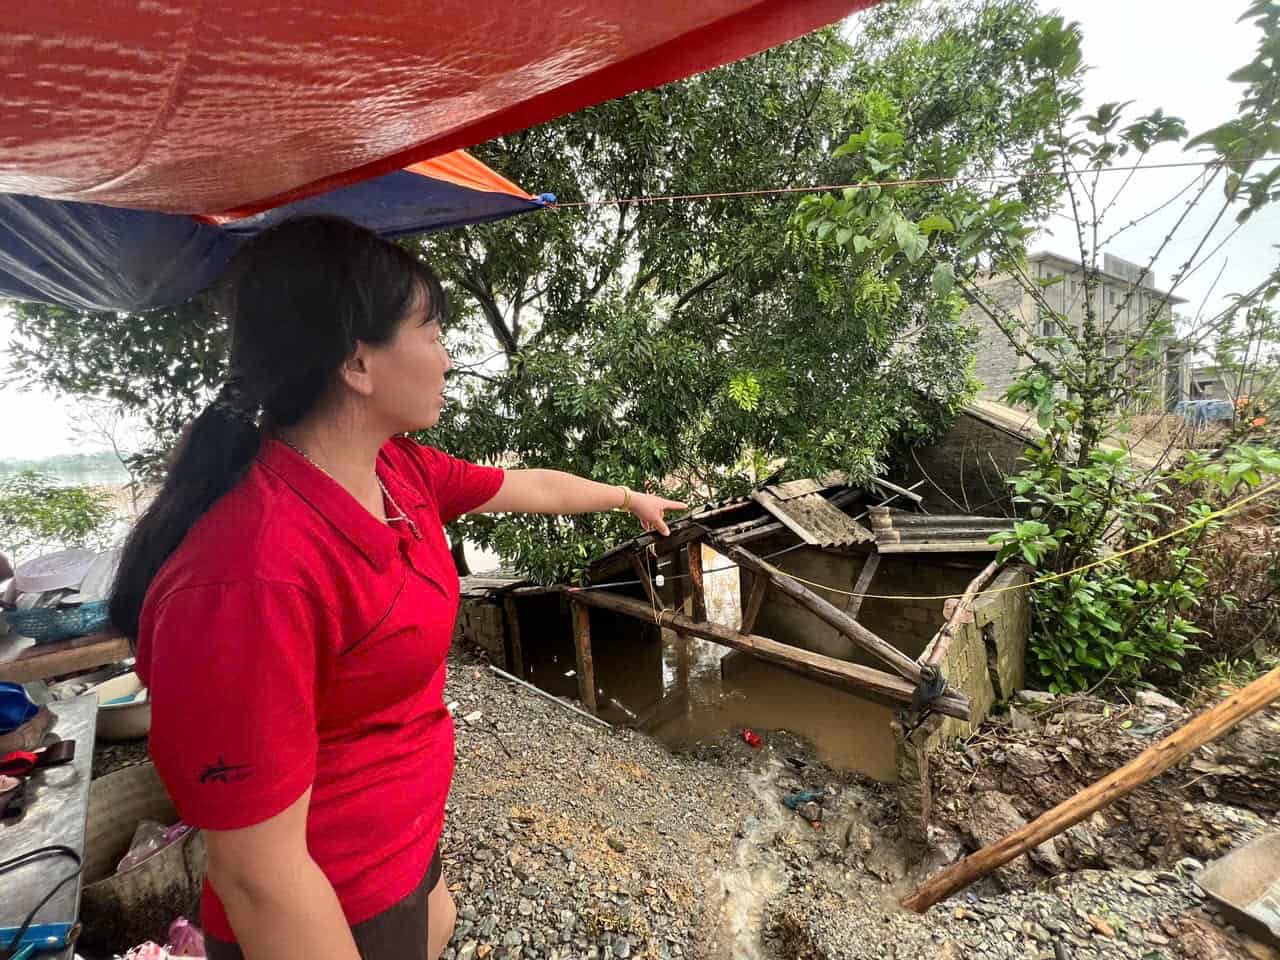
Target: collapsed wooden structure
point(822, 518)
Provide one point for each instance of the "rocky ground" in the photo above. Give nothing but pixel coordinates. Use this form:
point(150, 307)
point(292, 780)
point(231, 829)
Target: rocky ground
point(568, 840)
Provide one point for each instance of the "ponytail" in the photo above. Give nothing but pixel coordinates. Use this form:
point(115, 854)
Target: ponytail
point(213, 454)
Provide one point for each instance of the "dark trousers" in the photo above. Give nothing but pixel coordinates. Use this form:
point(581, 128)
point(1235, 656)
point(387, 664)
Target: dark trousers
point(397, 933)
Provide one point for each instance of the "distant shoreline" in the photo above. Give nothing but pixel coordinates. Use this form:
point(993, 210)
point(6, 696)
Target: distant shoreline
point(98, 469)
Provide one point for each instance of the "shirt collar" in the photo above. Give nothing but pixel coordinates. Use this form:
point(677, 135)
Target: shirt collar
point(375, 539)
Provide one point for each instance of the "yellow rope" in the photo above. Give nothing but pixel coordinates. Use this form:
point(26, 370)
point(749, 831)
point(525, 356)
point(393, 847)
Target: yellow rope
point(1048, 578)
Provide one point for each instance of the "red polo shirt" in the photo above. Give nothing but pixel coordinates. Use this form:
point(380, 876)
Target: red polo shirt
point(292, 641)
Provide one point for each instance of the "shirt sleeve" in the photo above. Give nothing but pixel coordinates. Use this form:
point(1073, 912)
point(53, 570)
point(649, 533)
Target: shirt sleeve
point(458, 486)
point(234, 675)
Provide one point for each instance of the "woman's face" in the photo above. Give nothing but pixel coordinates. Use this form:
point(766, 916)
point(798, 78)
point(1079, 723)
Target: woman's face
point(409, 373)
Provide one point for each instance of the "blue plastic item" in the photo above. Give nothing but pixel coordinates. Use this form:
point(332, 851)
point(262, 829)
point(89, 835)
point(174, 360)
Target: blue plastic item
point(49, 624)
point(795, 800)
point(16, 707)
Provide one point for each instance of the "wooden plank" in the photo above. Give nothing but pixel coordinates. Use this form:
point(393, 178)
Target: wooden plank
point(642, 574)
point(865, 577)
point(582, 647)
point(516, 666)
point(936, 649)
point(697, 591)
point(864, 681)
point(829, 614)
point(774, 506)
point(25, 660)
point(1146, 766)
point(759, 587)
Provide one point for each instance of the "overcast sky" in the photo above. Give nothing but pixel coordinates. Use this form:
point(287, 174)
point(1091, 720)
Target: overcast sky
point(1174, 54)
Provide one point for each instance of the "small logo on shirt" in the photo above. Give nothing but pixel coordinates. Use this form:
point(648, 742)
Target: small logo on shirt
point(223, 772)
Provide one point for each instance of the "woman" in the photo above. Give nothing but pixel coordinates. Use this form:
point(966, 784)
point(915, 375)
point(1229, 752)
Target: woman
point(293, 598)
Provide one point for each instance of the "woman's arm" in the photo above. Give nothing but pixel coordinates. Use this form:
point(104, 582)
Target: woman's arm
point(553, 491)
point(280, 905)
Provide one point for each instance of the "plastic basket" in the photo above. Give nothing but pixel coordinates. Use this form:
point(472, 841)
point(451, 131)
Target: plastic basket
point(47, 625)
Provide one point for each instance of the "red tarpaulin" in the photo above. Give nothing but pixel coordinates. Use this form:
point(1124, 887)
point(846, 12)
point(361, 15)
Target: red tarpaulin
point(232, 108)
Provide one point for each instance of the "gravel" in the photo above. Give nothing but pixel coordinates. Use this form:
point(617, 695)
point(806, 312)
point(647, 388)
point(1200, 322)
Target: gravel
point(565, 840)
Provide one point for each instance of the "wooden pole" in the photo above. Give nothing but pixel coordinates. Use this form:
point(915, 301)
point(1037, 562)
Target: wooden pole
point(865, 576)
point(582, 646)
point(641, 569)
point(936, 649)
point(1152, 762)
point(827, 613)
point(759, 587)
point(853, 677)
point(696, 589)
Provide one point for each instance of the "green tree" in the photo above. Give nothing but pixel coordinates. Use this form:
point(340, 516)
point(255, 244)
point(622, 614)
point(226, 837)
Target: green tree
point(1082, 498)
point(697, 344)
point(37, 514)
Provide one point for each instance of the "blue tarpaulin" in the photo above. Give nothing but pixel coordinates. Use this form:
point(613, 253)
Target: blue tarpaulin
point(89, 256)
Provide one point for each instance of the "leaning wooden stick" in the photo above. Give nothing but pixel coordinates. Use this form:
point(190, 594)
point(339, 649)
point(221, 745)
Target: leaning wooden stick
point(1147, 765)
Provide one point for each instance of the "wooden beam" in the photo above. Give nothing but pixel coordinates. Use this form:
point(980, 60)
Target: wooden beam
point(865, 576)
point(582, 647)
point(936, 649)
point(642, 574)
point(516, 665)
point(759, 587)
point(854, 677)
point(620, 557)
point(697, 591)
point(828, 613)
point(897, 491)
point(25, 660)
point(1152, 762)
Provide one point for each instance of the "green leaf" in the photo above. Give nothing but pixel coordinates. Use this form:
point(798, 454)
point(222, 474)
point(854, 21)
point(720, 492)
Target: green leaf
point(936, 222)
point(943, 279)
point(912, 242)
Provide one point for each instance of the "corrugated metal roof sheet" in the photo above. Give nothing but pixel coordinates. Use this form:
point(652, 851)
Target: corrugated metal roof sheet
point(900, 531)
point(814, 518)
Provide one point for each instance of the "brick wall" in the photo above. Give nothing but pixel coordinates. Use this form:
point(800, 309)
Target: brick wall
point(996, 362)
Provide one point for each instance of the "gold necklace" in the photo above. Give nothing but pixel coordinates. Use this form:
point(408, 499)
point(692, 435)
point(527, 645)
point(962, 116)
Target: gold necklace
point(400, 514)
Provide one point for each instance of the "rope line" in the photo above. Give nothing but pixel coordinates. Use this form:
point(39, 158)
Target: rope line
point(866, 185)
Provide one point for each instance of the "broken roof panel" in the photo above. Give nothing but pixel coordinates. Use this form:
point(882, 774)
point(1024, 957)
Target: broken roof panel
point(814, 519)
point(900, 531)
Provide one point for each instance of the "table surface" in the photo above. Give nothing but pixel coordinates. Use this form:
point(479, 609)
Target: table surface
point(23, 660)
point(57, 806)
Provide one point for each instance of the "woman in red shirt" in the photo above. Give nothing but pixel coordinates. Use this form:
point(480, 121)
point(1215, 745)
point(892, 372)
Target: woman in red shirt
point(293, 599)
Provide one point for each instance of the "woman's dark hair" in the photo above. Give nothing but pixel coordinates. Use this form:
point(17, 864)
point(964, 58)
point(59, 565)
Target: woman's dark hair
point(299, 297)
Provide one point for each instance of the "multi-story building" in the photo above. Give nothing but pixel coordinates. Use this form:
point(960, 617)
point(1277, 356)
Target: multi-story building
point(1123, 299)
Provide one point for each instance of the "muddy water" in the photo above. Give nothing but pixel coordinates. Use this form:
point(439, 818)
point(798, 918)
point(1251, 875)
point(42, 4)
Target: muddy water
point(690, 691)
point(757, 875)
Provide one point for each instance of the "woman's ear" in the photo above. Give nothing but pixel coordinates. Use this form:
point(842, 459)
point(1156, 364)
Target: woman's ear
point(356, 372)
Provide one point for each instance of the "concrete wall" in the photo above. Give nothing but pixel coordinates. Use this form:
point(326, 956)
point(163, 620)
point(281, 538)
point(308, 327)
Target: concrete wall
point(969, 462)
point(998, 633)
point(986, 659)
point(996, 362)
